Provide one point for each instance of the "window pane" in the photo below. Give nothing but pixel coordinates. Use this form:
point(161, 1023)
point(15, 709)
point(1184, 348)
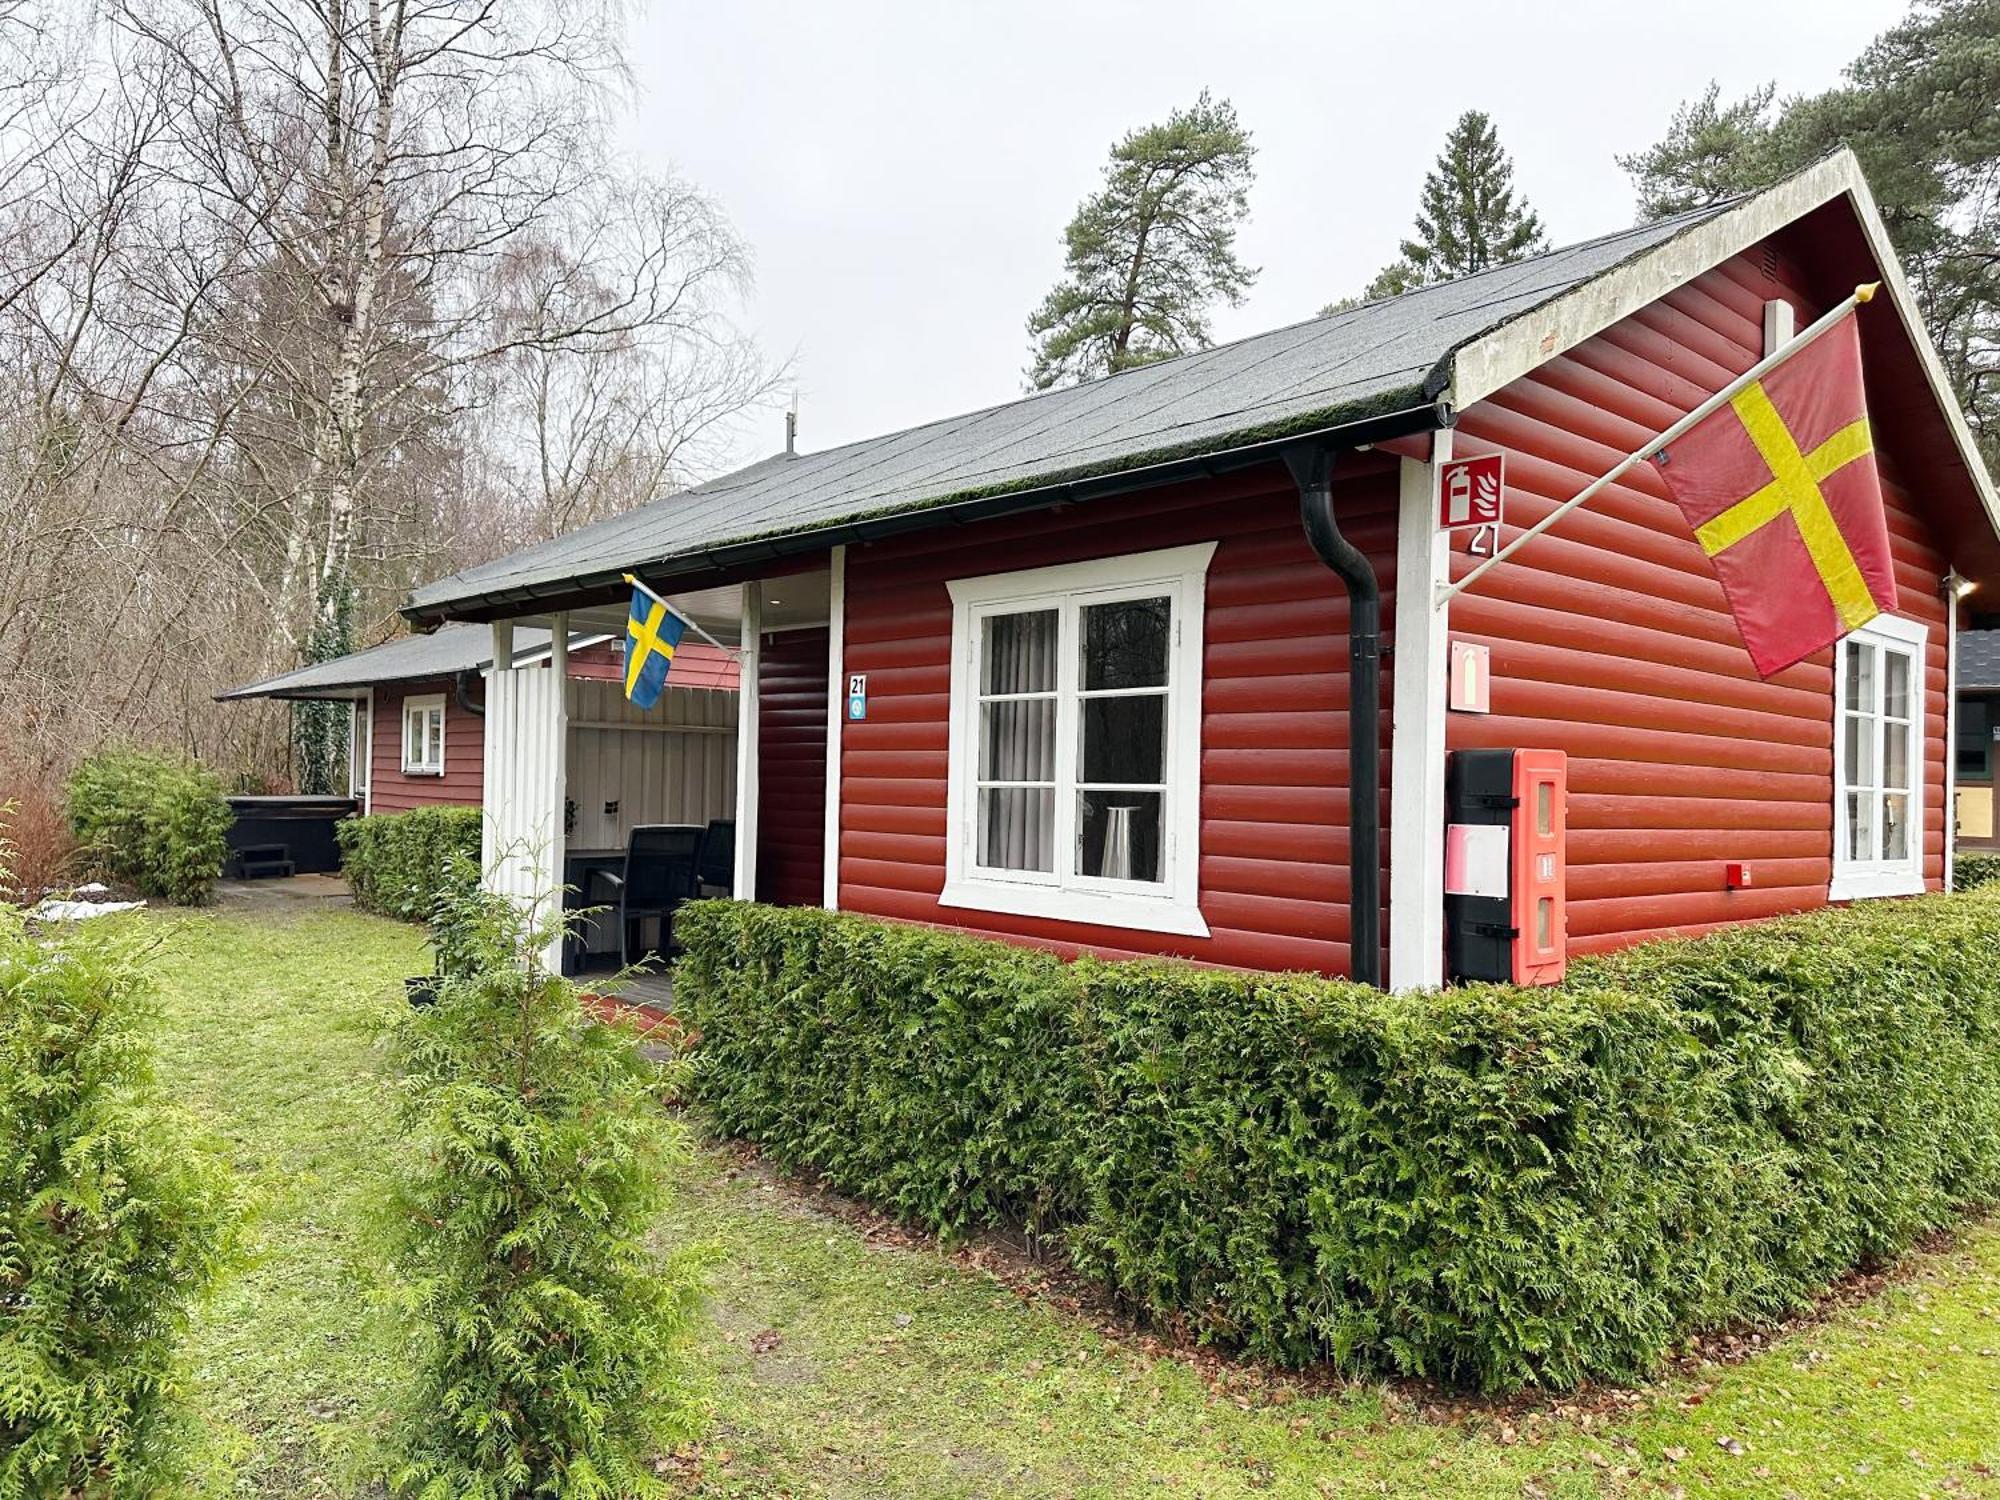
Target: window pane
point(1017, 829)
point(1895, 826)
point(1125, 644)
point(1018, 740)
point(1895, 684)
point(1020, 653)
point(1860, 750)
point(1118, 835)
point(1975, 736)
point(1125, 739)
point(1860, 676)
point(1860, 825)
point(1896, 755)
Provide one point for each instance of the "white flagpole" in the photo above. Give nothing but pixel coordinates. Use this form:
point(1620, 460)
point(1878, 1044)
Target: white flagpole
point(684, 619)
point(1448, 591)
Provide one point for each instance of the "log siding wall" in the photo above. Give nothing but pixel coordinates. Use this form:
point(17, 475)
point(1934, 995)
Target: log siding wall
point(390, 789)
point(791, 767)
point(1273, 869)
point(1611, 639)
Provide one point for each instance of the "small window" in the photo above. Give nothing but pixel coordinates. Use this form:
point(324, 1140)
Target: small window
point(1975, 739)
point(1878, 760)
point(423, 736)
point(1076, 718)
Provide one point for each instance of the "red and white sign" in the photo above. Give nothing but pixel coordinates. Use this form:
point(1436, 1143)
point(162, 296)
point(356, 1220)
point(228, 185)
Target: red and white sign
point(1471, 678)
point(1469, 491)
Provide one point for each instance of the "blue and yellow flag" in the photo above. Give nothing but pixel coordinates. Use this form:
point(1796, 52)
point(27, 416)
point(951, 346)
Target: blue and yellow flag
point(652, 631)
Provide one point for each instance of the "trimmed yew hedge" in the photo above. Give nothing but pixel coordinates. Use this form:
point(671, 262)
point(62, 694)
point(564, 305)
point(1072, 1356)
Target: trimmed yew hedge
point(401, 864)
point(1974, 868)
point(1490, 1186)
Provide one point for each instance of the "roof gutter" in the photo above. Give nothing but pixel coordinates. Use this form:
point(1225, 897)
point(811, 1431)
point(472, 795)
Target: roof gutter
point(743, 557)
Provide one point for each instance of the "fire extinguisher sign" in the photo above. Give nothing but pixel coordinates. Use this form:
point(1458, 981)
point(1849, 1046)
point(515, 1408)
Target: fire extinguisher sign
point(1470, 491)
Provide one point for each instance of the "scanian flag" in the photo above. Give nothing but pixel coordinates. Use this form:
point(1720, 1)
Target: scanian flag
point(1781, 488)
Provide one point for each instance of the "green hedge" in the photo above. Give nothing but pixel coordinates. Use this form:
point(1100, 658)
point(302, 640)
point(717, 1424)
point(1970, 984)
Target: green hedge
point(1491, 1186)
point(152, 819)
point(117, 1217)
point(400, 864)
point(1970, 869)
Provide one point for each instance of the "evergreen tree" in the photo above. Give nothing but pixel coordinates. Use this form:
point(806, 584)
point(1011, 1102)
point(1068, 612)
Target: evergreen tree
point(1150, 251)
point(320, 729)
point(547, 1339)
point(1711, 151)
point(1921, 109)
point(117, 1219)
point(1467, 219)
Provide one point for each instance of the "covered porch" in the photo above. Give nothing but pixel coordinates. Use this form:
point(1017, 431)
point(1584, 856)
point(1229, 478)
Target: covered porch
point(731, 760)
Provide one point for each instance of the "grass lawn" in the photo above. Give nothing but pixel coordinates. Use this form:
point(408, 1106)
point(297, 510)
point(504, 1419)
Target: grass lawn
point(846, 1365)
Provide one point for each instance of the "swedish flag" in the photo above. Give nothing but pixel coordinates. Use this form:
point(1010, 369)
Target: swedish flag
point(652, 632)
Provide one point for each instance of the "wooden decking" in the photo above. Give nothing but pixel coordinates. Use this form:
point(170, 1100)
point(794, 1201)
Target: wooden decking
point(654, 991)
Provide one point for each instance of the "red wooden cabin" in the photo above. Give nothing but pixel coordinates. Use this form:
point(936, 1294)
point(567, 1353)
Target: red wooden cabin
point(1072, 671)
point(417, 730)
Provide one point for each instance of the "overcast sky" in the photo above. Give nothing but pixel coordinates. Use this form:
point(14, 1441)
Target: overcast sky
point(903, 172)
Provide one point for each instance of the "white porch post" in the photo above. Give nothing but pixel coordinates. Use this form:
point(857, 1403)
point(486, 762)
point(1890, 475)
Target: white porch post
point(526, 735)
point(368, 755)
point(836, 716)
point(1417, 743)
point(745, 884)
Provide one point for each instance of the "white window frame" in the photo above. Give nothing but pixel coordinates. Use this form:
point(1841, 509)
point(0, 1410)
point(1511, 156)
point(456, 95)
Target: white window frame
point(416, 709)
point(1169, 905)
point(1854, 879)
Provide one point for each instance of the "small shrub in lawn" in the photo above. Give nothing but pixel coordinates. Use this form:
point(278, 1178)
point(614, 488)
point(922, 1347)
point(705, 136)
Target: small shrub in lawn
point(1971, 869)
point(402, 864)
point(1489, 1185)
point(41, 849)
point(154, 820)
point(547, 1336)
point(115, 1221)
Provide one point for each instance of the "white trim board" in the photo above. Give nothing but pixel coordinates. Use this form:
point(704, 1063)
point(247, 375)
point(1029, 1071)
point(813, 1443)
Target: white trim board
point(836, 719)
point(1417, 734)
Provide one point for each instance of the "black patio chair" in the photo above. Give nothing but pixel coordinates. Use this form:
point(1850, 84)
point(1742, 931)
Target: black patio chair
point(715, 870)
point(658, 878)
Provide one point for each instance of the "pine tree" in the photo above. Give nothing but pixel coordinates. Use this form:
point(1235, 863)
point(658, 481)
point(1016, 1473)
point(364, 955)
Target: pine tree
point(1467, 219)
point(1150, 251)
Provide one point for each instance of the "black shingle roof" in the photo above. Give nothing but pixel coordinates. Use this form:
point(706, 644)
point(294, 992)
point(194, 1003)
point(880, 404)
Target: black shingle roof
point(1381, 356)
point(1979, 661)
point(445, 652)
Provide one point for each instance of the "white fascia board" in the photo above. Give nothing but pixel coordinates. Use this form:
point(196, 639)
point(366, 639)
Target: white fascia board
point(536, 655)
point(1495, 360)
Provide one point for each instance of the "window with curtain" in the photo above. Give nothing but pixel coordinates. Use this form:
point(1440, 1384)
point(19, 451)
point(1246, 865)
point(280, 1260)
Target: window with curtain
point(1878, 760)
point(423, 736)
point(1076, 722)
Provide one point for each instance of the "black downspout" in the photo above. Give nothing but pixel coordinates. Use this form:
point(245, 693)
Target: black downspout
point(1312, 471)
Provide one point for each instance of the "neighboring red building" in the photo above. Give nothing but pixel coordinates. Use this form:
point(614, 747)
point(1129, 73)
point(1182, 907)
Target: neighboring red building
point(418, 731)
point(1088, 682)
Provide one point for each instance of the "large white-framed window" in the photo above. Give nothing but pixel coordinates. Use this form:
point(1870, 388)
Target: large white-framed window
point(1878, 760)
point(1076, 741)
point(423, 735)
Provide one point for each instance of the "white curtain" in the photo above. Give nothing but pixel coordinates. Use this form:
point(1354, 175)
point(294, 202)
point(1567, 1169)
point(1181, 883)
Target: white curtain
point(1018, 823)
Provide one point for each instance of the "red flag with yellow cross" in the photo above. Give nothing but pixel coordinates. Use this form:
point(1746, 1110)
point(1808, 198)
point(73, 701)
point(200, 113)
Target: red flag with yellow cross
point(1781, 489)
